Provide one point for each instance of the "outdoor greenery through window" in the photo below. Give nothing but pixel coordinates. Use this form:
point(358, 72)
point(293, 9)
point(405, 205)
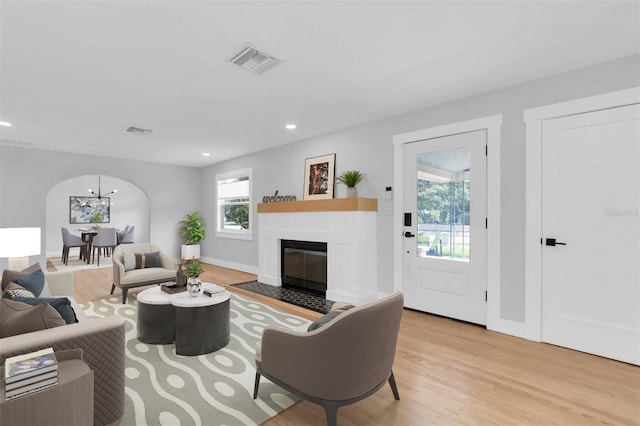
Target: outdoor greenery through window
point(234, 203)
point(443, 204)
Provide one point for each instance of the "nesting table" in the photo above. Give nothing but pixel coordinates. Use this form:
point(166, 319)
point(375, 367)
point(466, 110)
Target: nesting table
point(198, 325)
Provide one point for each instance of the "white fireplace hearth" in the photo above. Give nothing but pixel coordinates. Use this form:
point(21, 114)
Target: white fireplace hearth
point(348, 226)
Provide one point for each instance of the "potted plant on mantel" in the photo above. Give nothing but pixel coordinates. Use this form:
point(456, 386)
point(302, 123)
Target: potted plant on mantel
point(351, 178)
point(192, 272)
point(192, 229)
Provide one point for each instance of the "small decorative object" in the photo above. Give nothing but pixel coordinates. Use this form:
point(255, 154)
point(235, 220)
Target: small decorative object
point(180, 281)
point(351, 178)
point(275, 198)
point(95, 219)
point(318, 177)
point(193, 271)
point(193, 230)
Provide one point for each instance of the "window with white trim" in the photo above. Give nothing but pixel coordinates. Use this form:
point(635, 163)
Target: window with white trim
point(233, 196)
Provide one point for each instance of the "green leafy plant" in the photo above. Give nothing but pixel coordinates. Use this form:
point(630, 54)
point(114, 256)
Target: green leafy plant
point(192, 228)
point(350, 178)
point(193, 269)
point(96, 218)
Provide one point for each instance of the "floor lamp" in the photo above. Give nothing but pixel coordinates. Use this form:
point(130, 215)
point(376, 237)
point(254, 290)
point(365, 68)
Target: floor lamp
point(18, 244)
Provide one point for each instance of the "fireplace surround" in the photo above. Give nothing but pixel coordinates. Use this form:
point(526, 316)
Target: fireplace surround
point(347, 226)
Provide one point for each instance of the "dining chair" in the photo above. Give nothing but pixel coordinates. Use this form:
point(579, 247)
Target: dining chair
point(126, 236)
point(69, 241)
point(106, 239)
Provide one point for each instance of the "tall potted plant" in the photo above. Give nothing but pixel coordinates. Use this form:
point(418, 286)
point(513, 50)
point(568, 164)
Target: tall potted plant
point(351, 178)
point(193, 230)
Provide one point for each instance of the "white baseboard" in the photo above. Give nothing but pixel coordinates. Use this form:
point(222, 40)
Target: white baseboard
point(249, 269)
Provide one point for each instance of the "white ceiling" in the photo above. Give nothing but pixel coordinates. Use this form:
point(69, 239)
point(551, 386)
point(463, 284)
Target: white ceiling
point(75, 74)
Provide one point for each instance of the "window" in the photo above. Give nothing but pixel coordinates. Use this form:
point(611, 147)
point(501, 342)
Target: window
point(234, 204)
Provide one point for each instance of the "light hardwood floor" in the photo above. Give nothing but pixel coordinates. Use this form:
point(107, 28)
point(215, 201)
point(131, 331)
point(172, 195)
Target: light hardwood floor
point(451, 373)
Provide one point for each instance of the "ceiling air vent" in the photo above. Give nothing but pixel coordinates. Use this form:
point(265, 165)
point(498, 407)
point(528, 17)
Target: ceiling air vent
point(253, 60)
point(137, 130)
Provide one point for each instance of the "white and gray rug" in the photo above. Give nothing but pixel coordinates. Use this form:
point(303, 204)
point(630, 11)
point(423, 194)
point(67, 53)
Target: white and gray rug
point(74, 264)
point(163, 388)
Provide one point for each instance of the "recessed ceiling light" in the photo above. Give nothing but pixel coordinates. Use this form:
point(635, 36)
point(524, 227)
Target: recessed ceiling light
point(206, 154)
point(5, 124)
point(290, 126)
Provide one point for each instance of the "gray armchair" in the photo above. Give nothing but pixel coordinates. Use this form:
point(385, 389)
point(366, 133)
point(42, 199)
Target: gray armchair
point(341, 363)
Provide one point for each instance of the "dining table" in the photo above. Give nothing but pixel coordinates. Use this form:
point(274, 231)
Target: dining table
point(87, 235)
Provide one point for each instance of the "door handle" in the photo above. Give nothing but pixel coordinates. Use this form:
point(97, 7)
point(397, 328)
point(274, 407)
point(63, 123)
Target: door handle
point(408, 234)
point(552, 242)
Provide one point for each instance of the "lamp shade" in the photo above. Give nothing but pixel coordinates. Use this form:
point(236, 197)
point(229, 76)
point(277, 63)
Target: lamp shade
point(19, 242)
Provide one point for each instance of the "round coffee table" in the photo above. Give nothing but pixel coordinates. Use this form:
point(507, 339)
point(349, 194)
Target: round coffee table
point(201, 324)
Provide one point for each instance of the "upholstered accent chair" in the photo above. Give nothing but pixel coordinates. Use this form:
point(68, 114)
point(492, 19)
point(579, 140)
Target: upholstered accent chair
point(128, 272)
point(70, 241)
point(344, 361)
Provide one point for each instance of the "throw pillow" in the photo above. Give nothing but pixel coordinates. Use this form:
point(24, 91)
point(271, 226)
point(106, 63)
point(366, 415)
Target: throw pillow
point(323, 320)
point(142, 260)
point(15, 290)
point(33, 282)
point(9, 275)
point(61, 304)
point(18, 318)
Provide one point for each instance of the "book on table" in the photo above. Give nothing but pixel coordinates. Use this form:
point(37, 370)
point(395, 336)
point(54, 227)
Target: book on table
point(33, 387)
point(20, 368)
point(30, 380)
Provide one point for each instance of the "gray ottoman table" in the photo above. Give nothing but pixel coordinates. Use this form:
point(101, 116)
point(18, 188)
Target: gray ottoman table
point(197, 325)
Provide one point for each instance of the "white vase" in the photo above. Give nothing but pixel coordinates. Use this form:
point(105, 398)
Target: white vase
point(352, 192)
point(190, 252)
point(193, 286)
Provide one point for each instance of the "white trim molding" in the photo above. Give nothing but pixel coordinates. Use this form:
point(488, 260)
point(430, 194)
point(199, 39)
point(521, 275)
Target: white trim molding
point(492, 124)
point(533, 190)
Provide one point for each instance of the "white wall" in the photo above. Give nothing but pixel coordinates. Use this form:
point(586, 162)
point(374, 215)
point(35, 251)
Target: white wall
point(369, 148)
point(28, 175)
point(129, 206)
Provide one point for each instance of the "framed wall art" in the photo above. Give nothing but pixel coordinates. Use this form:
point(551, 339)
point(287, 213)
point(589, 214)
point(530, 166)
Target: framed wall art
point(319, 177)
point(89, 209)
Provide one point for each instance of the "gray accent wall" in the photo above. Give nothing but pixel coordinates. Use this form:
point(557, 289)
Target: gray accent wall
point(369, 148)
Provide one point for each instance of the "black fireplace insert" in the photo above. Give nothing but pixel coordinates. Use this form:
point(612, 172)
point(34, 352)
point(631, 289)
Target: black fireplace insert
point(304, 266)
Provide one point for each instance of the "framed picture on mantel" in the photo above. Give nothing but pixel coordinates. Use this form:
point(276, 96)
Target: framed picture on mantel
point(319, 177)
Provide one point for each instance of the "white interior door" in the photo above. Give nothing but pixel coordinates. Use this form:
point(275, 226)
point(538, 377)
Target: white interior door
point(444, 229)
point(590, 202)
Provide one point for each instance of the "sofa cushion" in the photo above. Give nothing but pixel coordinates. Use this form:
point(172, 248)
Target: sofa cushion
point(33, 282)
point(61, 304)
point(19, 318)
point(9, 275)
point(16, 290)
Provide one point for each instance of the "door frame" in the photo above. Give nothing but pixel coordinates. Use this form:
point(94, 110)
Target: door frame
point(533, 119)
point(492, 124)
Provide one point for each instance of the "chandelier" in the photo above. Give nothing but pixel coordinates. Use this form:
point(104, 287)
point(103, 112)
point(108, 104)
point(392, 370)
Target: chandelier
point(99, 195)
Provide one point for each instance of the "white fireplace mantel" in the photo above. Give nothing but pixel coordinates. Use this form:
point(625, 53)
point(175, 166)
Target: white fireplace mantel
point(348, 226)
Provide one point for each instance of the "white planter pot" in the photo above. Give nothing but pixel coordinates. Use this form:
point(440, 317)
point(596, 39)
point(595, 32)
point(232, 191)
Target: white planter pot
point(352, 192)
point(190, 252)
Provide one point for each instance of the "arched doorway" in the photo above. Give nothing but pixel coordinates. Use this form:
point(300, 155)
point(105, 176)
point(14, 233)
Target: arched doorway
point(129, 206)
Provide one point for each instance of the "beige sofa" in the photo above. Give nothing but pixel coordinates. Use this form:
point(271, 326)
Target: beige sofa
point(102, 343)
point(139, 277)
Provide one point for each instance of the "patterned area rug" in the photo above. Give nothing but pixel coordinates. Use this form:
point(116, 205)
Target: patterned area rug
point(163, 388)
